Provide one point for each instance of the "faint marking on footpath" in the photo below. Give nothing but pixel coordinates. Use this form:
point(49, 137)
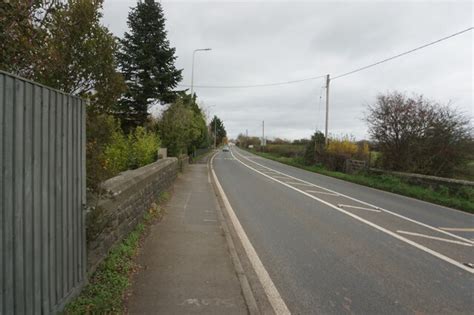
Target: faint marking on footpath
point(208, 302)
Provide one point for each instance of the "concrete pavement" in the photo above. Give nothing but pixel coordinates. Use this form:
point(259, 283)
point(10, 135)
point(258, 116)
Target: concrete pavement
point(185, 263)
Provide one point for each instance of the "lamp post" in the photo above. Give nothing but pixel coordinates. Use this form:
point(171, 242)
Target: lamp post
point(192, 68)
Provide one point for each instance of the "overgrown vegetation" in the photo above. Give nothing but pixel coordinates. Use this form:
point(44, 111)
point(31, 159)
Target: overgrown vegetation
point(459, 198)
point(409, 134)
point(104, 294)
point(182, 127)
point(131, 151)
point(63, 44)
point(416, 135)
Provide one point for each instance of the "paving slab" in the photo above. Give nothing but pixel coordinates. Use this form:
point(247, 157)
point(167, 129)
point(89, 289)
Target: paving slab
point(185, 263)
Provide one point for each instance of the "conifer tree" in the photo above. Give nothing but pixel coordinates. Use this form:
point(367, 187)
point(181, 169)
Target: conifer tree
point(146, 61)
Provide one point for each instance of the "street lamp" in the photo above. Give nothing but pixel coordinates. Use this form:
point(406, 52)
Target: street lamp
point(192, 68)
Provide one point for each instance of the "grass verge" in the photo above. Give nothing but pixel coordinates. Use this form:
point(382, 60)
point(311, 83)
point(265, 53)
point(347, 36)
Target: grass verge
point(104, 294)
point(461, 199)
point(200, 156)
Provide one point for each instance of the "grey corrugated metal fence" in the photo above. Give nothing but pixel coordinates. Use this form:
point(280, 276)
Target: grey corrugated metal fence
point(42, 178)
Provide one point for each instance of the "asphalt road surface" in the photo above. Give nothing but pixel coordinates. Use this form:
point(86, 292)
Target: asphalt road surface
point(333, 247)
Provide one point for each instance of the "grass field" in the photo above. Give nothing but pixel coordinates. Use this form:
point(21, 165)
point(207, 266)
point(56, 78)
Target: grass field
point(462, 199)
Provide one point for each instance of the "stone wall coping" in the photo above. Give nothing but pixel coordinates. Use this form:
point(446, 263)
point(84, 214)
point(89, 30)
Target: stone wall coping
point(127, 180)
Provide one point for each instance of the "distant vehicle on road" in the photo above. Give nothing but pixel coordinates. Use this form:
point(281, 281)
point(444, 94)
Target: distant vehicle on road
point(225, 148)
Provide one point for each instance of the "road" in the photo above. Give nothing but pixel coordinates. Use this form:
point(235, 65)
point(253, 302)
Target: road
point(333, 247)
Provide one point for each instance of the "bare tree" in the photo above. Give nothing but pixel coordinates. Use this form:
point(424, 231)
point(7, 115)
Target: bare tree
point(418, 135)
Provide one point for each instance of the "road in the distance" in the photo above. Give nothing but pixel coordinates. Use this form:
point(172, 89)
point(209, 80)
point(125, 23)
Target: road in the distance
point(336, 247)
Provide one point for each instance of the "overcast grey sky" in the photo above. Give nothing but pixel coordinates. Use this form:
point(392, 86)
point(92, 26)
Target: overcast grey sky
point(269, 41)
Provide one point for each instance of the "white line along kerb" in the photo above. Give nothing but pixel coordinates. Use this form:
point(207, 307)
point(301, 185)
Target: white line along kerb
point(269, 287)
point(378, 227)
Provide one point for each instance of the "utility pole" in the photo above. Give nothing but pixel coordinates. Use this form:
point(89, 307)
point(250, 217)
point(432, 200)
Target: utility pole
point(327, 109)
point(263, 134)
point(246, 133)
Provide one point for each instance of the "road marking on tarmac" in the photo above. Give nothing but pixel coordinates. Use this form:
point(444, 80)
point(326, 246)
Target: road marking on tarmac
point(297, 183)
point(434, 238)
point(362, 202)
point(269, 287)
point(457, 229)
point(320, 192)
point(378, 227)
point(360, 208)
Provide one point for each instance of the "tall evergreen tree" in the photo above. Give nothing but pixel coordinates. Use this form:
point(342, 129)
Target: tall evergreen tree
point(147, 64)
point(217, 129)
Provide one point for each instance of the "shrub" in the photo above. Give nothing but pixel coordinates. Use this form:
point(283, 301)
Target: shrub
point(417, 135)
point(287, 150)
point(117, 153)
point(144, 147)
point(314, 148)
point(100, 131)
point(137, 149)
point(341, 149)
point(343, 146)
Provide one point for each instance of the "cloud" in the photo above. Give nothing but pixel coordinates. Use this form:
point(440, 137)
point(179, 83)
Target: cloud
point(261, 42)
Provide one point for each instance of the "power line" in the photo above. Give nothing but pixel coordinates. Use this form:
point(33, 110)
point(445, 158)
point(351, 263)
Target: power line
point(251, 85)
point(402, 54)
point(322, 76)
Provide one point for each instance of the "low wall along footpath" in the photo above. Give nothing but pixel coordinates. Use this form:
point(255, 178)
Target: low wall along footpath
point(126, 198)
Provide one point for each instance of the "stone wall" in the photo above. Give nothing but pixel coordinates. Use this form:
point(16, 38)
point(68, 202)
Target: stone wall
point(126, 198)
point(183, 161)
point(353, 166)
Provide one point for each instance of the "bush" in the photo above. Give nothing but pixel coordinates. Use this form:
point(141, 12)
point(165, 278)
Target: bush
point(314, 149)
point(117, 153)
point(417, 135)
point(100, 130)
point(342, 147)
point(138, 149)
point(144, 147)
point(287, 150)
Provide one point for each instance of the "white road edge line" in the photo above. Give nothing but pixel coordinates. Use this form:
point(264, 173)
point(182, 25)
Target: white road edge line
point(367, 204)
point(355, 207)
point(434, 238)
point(269, 287)
point(382, 229)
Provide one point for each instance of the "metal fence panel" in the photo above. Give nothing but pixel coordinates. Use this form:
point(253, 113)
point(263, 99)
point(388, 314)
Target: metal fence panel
point(42, 197)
